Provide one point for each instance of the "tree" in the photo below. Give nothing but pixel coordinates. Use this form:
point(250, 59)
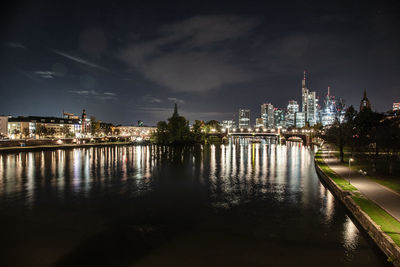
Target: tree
point(41, 130)
point(178, 130)
point(16, 132)
point(198, 131)
point(26, 132)
point(51, 131)
point(160, 136)
point(213, 124)
point(95, 126)
point(367, 125)
point(66, 131)
point(337, 136)
point(352, 136)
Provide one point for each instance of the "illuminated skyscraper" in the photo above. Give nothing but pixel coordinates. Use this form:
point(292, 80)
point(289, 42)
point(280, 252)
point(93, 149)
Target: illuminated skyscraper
point(267, 114)
point(279, 118)
point(329, 111)
point(244, 118)
point(300, 119)
point(396, 106)
point(309, 102)
point(292, 108)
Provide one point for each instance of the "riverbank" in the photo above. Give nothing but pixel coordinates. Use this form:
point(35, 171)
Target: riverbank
point(65, 146)
point(363, 161)
point(383, 229)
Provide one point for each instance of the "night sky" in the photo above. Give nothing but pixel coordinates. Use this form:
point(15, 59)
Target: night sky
point(126, 61)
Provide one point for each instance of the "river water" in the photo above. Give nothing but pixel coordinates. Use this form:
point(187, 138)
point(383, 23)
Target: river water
point(230, 205)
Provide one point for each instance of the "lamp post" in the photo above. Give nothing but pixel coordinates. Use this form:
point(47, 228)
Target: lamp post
point(350, 160)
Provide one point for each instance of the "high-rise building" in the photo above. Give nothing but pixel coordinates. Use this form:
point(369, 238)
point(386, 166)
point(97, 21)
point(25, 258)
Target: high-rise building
point(244, 118)
point(300, 119)
point(329, 111)
point(267, 114)
point(279, 118)
point(365, 104)
point(304, 93)
point(292, 108)
point(309, 102)
point(396, 106)
point(312, 105)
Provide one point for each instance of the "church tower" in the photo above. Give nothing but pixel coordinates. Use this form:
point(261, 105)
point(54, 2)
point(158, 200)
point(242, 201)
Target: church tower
point(365, 104)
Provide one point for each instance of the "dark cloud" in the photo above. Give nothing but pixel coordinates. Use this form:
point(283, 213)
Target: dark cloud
point(151, 99)
point(185, 56)
point(96, 95)
point(176, 100)
point(15, 45)
point(210, 57)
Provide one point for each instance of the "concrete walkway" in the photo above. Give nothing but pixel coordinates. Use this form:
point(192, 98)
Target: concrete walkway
point(381, 195)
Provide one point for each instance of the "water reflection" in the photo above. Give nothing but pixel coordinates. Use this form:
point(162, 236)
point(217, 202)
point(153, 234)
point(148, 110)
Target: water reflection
point(276, 182)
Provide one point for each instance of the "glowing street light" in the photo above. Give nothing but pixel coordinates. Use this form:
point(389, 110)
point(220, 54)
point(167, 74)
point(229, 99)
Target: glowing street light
point(350, 161)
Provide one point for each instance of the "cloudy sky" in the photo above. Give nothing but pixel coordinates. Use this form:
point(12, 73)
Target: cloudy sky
point(125, 62)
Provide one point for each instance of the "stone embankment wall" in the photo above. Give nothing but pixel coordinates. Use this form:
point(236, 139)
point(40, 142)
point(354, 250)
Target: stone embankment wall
point(38, 142)
point(382, 240)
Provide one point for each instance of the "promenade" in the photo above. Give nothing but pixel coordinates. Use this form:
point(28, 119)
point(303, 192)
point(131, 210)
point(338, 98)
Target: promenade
point(386, 198)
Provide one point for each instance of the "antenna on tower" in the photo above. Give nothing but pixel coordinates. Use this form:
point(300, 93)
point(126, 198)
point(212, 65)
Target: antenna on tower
point(329, 91)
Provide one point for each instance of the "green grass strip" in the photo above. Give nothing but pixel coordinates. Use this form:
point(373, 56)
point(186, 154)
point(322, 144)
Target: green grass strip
point(388, 224)
point(342, 183)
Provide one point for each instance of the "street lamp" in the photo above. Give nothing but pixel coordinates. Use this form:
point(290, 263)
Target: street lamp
point(350, 161)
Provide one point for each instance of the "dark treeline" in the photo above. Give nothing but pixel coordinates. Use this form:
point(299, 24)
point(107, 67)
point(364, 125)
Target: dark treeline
point(370, 133)
point(176, 131)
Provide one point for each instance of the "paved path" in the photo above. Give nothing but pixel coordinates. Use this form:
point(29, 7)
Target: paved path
point(384, 197)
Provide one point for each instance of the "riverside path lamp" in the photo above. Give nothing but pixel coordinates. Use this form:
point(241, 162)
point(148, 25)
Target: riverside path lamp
point(350, 161)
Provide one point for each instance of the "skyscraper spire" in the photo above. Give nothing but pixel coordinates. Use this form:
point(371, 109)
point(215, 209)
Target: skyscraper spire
point(329, 91)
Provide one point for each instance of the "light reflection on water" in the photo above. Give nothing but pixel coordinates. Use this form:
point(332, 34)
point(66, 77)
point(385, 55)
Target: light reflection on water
point(279, 178)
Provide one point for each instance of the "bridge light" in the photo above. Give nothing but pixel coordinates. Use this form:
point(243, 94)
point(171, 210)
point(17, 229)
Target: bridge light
point(249, 129)
point(213, 130)
point(241, 129)
point(223, 130)
point(257, 130)
point(265, 130)
point(234, 130)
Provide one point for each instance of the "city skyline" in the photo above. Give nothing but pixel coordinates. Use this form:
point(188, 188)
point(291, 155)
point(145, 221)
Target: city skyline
point(130, 62)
